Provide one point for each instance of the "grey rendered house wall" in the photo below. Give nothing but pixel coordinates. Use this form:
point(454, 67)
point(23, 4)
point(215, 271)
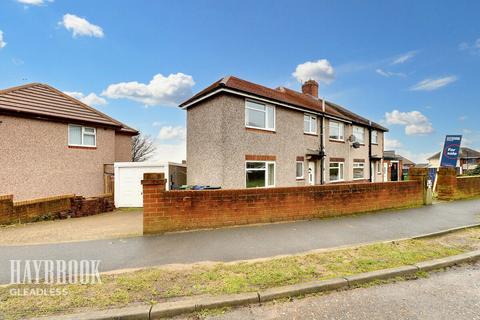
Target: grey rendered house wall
point(218, 141)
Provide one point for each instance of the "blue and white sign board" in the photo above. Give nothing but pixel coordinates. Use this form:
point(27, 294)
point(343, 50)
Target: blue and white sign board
point(451, 151)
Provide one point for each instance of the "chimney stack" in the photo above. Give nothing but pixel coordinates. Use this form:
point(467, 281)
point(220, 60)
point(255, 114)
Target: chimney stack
point(310, 87)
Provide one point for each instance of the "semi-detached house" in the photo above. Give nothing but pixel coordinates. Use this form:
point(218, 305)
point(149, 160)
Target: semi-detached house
point(241, 134)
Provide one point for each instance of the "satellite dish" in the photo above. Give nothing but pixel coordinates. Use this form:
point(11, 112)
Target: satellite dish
point(356, 145)
point(351, 138)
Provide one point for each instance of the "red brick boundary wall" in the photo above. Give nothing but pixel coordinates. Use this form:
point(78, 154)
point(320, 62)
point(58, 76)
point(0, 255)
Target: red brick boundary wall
point(186, 210)
point(451, 187)
point(58, 207)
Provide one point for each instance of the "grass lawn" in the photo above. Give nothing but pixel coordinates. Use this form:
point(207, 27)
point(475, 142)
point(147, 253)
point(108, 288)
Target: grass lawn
point(172, 282)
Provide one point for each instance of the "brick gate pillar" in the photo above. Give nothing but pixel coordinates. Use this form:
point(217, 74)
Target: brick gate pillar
point(420, 174)
point(447, 183)
point(153, 188)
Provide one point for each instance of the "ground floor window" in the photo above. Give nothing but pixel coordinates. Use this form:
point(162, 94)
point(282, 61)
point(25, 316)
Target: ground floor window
point(358, 171)
point(299, 170)
point(336, 171)
point(260, 174)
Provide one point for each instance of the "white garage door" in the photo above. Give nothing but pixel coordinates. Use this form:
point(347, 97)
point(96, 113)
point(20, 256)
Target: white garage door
point(128, 187)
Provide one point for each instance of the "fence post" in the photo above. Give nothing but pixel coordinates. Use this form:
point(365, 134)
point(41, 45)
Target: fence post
point(421, 174)
point(153, 187)
point(447, 184)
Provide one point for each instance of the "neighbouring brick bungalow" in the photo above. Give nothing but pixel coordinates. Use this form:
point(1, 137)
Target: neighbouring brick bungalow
point(53, 144)
point(241, 134)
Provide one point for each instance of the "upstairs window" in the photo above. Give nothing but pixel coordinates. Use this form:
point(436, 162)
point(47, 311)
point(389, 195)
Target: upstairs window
point(336, 130)
point(309, 124)
point(375, 137)
point(259, 115)
point(82, 136)
point(359, 134)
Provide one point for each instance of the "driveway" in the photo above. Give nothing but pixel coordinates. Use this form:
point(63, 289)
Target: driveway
point(251, 242)
point(454, 294)
point(109, 225)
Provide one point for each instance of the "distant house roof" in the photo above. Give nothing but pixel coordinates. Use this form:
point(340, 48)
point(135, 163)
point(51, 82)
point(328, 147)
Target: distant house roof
point(281, 95)
point(40, 100)
point(465, 153)
point(391, 155)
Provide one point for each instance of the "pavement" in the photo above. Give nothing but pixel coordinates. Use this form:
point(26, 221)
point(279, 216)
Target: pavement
point(116, 224)
point(251, 242)
point(453, 294)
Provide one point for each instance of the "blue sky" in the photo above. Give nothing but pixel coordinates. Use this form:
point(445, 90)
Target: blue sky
point(411, 65)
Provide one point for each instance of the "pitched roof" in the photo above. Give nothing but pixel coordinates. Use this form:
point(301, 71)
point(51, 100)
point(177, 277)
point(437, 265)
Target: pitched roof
point(465, 153)
point(42, 100)
point(283, 95)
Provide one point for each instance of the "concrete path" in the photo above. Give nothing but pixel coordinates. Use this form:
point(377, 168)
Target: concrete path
point(251, 242)
point(120, 223)
point(454, 294)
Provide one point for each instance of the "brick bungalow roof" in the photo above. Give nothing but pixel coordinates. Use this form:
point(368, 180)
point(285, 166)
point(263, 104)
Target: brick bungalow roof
point(465, 153)
point(39, 100)
point(283, 95)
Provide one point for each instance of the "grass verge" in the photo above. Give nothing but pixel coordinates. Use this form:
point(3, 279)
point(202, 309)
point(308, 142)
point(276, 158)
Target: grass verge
point(168, 283)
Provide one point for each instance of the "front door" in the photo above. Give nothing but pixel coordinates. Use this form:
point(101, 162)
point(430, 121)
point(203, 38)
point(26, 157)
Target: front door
point(394, 171)
point(311, 173)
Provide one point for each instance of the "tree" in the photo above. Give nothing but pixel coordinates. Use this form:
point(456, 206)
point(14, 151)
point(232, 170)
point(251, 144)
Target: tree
point(142, 148)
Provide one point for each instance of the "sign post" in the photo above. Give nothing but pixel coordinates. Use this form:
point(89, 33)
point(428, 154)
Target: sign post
point(450, 154)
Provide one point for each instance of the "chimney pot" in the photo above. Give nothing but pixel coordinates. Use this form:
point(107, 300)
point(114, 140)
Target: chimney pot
point(310, 87)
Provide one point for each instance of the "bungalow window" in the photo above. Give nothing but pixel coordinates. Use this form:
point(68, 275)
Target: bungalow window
point(336, 171)
point(82, 136)
point(336, 130)
point(260, 174)
point(299, 170)
point(375, 137)
point(359, 134)
point(358, 171)
point(309, 124)
point(259, 115)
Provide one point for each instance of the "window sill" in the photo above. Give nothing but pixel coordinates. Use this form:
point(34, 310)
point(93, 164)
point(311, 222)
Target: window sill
point(376, 144)
point(310, 134)
point(260, 130)
point(82, 147)
point(300, 179)
point(335, 140)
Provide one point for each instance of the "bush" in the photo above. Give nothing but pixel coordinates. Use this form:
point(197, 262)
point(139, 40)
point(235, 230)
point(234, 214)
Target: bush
point(474, 172)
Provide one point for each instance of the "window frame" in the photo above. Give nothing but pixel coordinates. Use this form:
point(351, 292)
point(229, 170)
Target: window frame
point(303, 170)
point(83, 133)
point(374, 134)
point(267, 171)
point(363, 134)
point(267, 106)
point(341, 165)
point(358, 165)
point(311, 119)
point(340, 125)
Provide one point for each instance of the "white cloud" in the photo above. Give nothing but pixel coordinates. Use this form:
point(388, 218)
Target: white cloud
point(320, 71)
point(172, 133)
point(81, 27)
point(91, 99)
point(389, 73)
point(392, 144)
point(33, 2)
point(474, 47)
point(404, 57)
point(462, 118)
point(433, 84)
point(414, 121)
point(161, 90)
point(2, 42)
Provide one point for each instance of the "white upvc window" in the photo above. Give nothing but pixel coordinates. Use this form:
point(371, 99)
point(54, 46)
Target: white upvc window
point(375, 137)
point(358, 171)
point(359, 133)
point(336, 171)
point(299, 169)
point(336, 130)
point(81, 136)
point(259, 174)
point(309, 124)
point(259, 115)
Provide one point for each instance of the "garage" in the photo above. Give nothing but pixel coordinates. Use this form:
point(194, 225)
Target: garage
point(128, 177)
